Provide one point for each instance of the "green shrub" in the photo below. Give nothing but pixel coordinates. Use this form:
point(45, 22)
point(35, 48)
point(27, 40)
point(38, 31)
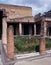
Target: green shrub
point(48, 43)
point(29, 43)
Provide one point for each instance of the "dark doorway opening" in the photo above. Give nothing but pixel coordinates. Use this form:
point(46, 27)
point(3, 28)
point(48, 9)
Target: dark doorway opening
point(49, 31)
point(1, 15)
point(32, 29)
point(26, 29)
point(38, 29)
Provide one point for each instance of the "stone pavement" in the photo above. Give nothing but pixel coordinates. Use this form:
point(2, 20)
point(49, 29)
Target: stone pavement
point(32, 61)
point(0, 61)
point(43, 61)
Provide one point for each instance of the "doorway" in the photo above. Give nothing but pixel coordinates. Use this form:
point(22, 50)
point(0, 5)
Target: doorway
point(49, 31)
point(26, 29)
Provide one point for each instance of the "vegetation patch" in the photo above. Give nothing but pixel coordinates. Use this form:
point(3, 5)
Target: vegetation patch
point(29, 43)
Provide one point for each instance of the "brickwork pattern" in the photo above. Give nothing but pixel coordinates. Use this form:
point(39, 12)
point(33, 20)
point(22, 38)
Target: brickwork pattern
point(10, 42)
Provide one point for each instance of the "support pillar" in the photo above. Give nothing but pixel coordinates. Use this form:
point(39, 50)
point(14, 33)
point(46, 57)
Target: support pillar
point(10, 42)
point(34, 29)
point(4, 30)
point(42, 38)
point(45, 28)
point(20, 29)
point(42, 45)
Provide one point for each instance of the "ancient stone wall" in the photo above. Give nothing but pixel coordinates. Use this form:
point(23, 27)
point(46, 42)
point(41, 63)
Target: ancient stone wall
point(14, 11)
point(25, 19)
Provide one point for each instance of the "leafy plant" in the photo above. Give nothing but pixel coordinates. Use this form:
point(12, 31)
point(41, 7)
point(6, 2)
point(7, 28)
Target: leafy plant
point(29, 43)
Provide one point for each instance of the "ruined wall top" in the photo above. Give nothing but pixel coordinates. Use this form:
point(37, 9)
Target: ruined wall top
point(14, 11)
point(45, 15)
point(48, 14)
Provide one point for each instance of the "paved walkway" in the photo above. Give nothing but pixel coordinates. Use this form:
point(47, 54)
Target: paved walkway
point(31, 61)
point(43, 61)
point(0, 61)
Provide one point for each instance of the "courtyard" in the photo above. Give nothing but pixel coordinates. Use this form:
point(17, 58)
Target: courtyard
point(18, 21)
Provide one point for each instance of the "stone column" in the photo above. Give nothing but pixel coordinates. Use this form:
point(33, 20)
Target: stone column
point(20, 29)
point(45, 28)
point(42, 45)
point(30, 30)
point(42, 39)
point(10, 42)
point(34, 29)
point(4, 30)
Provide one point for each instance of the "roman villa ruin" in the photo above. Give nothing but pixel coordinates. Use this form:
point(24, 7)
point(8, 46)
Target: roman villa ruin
point(20, 20)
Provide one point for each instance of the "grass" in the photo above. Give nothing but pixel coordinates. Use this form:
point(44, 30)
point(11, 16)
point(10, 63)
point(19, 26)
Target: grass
point(29, 43)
